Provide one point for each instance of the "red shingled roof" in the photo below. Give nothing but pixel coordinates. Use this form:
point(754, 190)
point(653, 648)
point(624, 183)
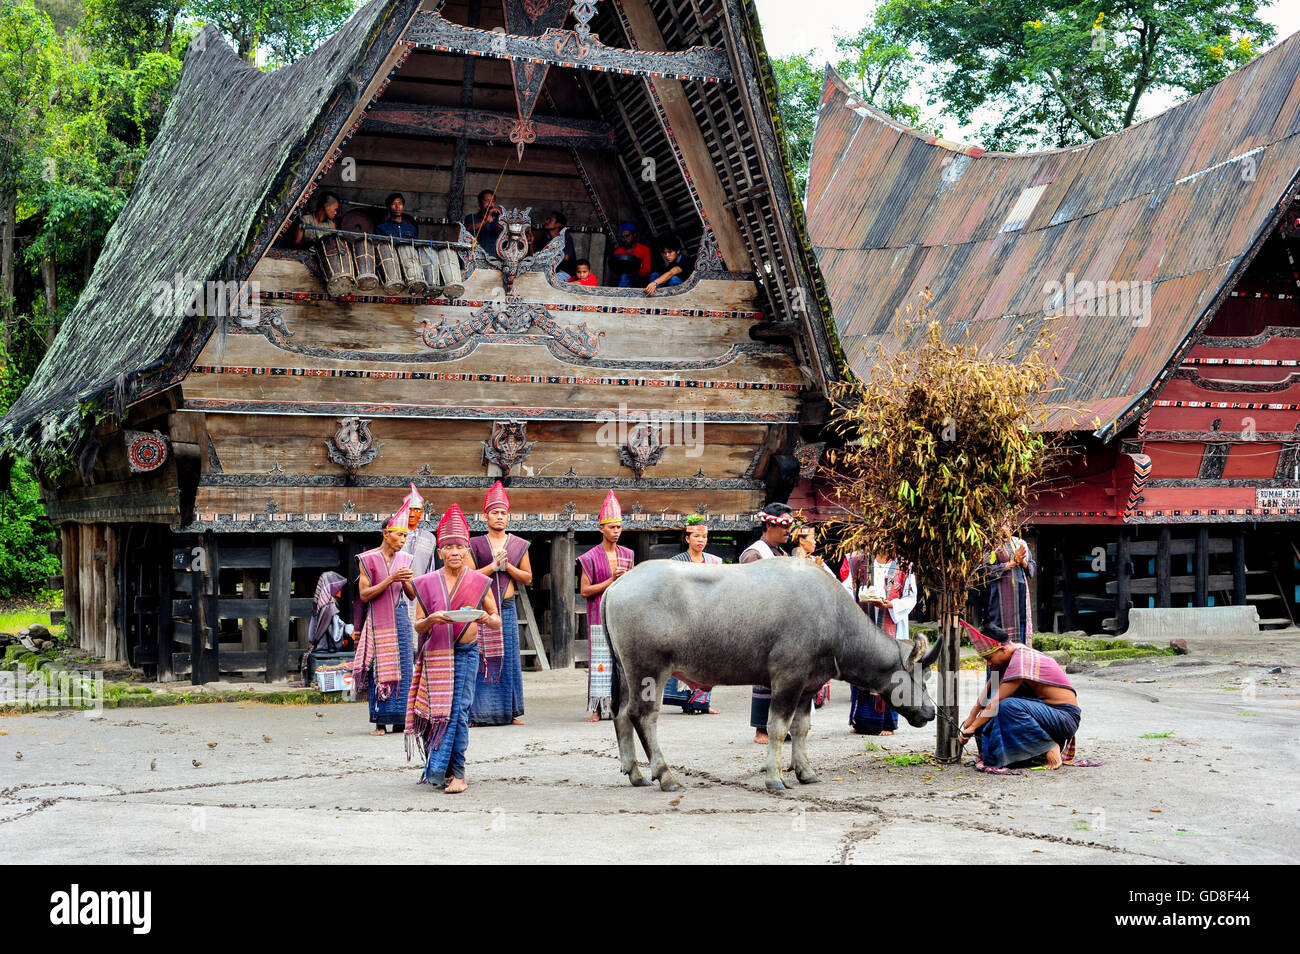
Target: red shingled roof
point(1181, 201)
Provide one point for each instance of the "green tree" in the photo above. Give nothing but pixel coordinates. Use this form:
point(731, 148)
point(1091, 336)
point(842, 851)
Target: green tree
point(942, 445)
point(26, 535)
point(288, 30)
point(1057, 73)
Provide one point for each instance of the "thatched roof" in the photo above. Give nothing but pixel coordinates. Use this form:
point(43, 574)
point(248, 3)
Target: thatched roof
point(1180, 203)
point(235, 143)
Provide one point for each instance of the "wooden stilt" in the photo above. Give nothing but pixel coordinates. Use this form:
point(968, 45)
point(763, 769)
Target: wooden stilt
point(1068, 584)
point(1203, 566)
point(164, 613)
point(251, 625)
point(562, 600)
point(1239, 568)
point(1163, 590)
point(1123, 581)
point(277, 623)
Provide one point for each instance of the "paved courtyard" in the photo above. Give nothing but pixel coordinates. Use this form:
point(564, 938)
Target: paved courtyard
point(287, 784)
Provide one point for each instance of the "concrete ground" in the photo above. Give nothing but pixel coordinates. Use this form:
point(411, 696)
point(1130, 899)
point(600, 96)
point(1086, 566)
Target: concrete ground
point(289, 784)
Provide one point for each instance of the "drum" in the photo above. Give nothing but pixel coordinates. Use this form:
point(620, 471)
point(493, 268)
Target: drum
point(390, 269)
point(430, 270)
point(449, 266)
point(411, 270)
point(337, 266)
point(363, 249)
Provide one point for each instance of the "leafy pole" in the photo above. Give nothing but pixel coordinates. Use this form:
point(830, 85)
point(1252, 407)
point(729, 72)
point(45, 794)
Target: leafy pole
point(942, 445)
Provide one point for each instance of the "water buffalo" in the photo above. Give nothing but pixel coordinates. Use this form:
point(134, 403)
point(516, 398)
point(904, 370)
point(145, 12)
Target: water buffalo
point(779, 622)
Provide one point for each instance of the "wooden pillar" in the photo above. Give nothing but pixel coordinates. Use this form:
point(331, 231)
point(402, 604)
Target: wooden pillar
point(1068, 583)
point(640, 546)
point(460, 159)
point(1202, 566)
point(251, 628)
point(562, 599)
point(1123, 581)
point(277, 621)
point(114, 635)
point(1046, 580)
point(71, 592)
point(1164, 596)
point(205, 664)
point(1239, 568)
point(165, 613)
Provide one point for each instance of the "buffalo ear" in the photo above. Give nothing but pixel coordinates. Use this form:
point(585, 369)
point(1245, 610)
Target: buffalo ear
point(919, 647)
point(932, 657)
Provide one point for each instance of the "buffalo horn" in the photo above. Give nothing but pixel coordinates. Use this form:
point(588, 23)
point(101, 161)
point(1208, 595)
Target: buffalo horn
point(919, 646)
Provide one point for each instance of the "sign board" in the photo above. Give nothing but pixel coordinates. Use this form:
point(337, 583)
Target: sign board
point(1277, 497)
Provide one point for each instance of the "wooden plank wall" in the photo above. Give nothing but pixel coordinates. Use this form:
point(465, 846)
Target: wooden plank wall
point(90, 589)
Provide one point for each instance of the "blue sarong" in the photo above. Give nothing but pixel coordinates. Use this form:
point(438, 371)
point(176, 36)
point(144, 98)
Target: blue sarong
point(680, 694)
point(870, 713)
point(449, 757)
point(501, 702)
point(1025, 728)
point(392, 711)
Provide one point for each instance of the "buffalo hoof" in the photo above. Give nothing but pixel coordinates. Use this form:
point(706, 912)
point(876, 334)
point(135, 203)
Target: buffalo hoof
point(775, 785)
point(669, 784)
point(809, 779)
point(637, 779)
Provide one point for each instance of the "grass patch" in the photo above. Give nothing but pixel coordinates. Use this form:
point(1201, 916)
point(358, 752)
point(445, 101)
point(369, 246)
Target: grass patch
point(871, 747)
point(1249, 714)
point(1158, 735)
point(1098, 650)
point(908, 758)
point(15, 620)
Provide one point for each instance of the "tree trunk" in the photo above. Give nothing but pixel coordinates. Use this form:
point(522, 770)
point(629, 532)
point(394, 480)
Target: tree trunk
point(8, 203)
point(947, 747)
point(50, 279)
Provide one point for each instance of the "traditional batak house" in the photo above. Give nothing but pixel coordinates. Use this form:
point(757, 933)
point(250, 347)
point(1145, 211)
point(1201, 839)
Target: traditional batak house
point(1165, 258)
point(207, 450)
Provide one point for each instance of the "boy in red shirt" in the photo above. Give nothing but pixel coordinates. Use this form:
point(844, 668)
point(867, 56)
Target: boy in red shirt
point(582, 274)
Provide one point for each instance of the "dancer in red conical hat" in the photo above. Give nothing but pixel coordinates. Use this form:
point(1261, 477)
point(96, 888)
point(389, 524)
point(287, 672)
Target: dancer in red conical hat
point(447, 661)
point(602, 566)
point(420, 543)
point(384, 633)
point(499, 692)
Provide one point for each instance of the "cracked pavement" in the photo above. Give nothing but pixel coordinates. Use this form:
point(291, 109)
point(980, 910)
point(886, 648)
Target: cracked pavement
point(1221, 789)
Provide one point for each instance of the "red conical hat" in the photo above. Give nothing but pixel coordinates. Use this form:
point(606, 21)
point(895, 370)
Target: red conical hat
point(611, 511)
point(414, 500)
point(453, 528)
point(496, 498)
point(400, 520)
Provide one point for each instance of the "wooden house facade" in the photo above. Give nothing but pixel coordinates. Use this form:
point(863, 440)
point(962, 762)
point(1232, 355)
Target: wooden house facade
point(207, 458)
point(1164, 260)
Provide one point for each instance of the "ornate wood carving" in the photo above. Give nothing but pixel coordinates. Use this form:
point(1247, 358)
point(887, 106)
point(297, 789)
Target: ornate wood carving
point(1212, 464)
point(145, 450)
point(643, 449)
point(809, 456)
point(508, 446)
point(568, 48)
point(514, 317)
point(484, 125)
point(352, 446)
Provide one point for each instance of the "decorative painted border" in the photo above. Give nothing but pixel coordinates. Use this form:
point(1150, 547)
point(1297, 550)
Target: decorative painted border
point(1250, 362)
point(519, 523)
point(1254, 341)
point(465, 412)
point(1228, 405)
point(471, 377)
point(1271, 295)
point(1259, 437)
point(1201, 483)
point(433, 482)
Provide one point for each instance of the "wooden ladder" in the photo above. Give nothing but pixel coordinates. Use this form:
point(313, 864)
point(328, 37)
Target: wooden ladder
point(530, 633)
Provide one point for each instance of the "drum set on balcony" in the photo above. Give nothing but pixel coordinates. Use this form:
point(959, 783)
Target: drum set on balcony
point(353, 262)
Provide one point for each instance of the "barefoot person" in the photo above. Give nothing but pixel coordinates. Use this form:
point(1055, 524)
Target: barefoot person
point(886, 591)
point(499, 689)
point(676, 694)
point(446, 664)
point(776, 520)
point(601, 566)
point(1006, 573)
point(385, 641)
point(1027, 708)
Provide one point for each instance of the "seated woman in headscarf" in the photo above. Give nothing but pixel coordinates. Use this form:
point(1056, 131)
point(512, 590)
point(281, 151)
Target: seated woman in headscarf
point(1027, 709)
point(328, 631)
point(675, 693)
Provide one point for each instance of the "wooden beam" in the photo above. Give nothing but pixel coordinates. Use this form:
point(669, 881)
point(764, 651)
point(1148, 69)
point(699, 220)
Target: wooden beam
point(484, 125)
point(460, 161)
point(164, 620)
point(562, 600)
point(432, 31)
point(1239, 568)
point(252, 627)
point(277, 622)
point(1067, 584)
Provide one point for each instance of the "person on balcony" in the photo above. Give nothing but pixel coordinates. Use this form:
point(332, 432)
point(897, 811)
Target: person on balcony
point(582, 274)
point(631, 259)
point(679, 266)
point(485, 224)
point(397, 225)
point(327, 210)
point(555, 224)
